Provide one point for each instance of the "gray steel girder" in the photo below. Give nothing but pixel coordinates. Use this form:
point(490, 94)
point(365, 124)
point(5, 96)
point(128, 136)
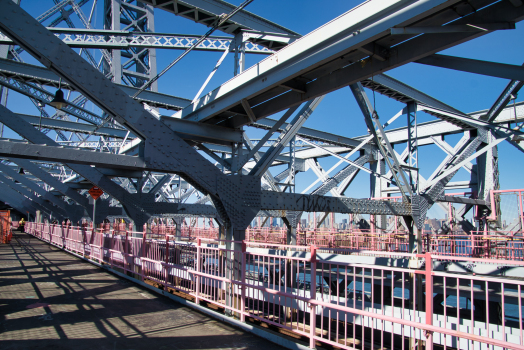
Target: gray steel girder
point(284, 138)
point(72, 156)
point(43, 175)
point(494, 69)
point(29, 193)
point(123, 39)
point(208, 11)
point(429, 196)
point(15, 199)
point(42, 76)
point(163, 148)
point(399, 91)
point(290, 63)
point(32, 186)
point(340, 176)
point(313, 203)
point(381, 140)
point(34, 201)
point(28, 73)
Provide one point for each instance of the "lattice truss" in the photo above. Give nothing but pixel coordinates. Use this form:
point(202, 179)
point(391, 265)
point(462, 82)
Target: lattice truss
point(241, 149)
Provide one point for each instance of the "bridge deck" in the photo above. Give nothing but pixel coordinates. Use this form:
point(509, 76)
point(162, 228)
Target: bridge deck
point(50, 299)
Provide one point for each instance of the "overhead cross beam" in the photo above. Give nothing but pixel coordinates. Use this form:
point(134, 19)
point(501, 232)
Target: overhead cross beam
point(499, 70)
point(312, 203)
point(208, 12)
point(120, 39)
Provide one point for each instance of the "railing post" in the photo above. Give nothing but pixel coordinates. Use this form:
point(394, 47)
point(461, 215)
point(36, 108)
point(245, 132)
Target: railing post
point(473, 253)
point(167, 262)
point(101, 246)
point(313, 297)
point(83, 241)
point(143, 255)
point(429, 300)
point(243, 286)
point(486, 240)
point(126, 251)
point(521, 212)
point(197, 277)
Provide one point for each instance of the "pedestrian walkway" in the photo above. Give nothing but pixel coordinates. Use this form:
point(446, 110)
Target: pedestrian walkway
point(50, 299)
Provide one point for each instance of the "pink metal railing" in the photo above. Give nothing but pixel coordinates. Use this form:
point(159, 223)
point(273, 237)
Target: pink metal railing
point(494, 245)
point(322, 297)
point(266, 235)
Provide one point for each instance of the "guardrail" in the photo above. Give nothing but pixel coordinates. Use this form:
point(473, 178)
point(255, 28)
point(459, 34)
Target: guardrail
point(317, 295)
point(476, 244)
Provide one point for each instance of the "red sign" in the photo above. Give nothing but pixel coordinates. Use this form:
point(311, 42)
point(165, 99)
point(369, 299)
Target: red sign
point(95, 192)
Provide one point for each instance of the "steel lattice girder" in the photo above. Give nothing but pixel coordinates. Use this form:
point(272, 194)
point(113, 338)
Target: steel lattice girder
point(117, 39)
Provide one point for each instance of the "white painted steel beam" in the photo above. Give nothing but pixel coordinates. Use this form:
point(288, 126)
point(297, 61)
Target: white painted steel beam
point(493, 69)
point(353, 29)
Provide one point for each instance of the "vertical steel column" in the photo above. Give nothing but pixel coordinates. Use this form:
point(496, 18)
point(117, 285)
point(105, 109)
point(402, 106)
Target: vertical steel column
point(178, 228)
point(243, 286)
point(291, 166)
point(236, 162)
point(112, 22)
point(412, 143)
point(377, 184)
point(313, 296)
point(488, 178)
point(199, 270)
point(240, 54)
point(234, 238)
point(140, 66)
point(429, 299)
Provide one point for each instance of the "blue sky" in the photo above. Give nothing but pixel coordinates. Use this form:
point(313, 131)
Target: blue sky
point(338, 112)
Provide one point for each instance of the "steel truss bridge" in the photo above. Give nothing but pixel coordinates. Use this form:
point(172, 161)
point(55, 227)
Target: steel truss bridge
point(200, 161)
point(162, 157)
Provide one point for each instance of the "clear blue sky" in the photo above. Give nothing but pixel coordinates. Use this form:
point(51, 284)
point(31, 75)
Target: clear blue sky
point(338, 112)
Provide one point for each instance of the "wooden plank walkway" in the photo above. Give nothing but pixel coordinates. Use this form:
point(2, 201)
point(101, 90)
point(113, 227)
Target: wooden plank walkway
point(52, 300)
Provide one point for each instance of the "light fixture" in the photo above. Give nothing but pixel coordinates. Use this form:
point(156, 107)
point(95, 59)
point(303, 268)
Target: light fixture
point(59, 102)
point(21, 171)
point(40, 107)
point(514, 97)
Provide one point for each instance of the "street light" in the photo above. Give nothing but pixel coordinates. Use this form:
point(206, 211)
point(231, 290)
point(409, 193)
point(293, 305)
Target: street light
point(40, 107)
point(59, 102)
